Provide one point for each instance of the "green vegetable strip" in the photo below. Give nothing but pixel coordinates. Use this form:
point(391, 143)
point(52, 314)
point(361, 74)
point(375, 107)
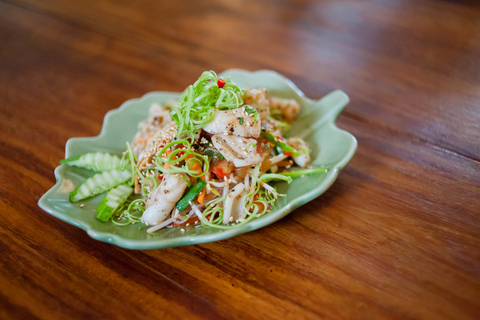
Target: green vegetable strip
point(273, 176)
point(114, 199)
point(133, 168)
point(96, 161)
point(299, 173)
point(191, 194)
point(282, 145)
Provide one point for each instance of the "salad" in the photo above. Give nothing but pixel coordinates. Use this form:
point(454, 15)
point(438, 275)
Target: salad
point(210, 159)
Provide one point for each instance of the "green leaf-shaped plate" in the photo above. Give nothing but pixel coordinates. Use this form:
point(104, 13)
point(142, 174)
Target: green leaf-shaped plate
point(331, 147)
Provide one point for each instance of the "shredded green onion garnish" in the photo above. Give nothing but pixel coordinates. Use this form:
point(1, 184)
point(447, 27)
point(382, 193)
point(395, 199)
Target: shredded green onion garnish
point(133, 213)
point(198, 103)
point(153, 181)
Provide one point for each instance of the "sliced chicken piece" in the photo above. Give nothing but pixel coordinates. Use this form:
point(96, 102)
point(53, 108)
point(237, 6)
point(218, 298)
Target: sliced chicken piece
point(237, 122)
point(162, 201)
point(233, 208)
point(257, 98)
point(302, 147)
point(241, 151)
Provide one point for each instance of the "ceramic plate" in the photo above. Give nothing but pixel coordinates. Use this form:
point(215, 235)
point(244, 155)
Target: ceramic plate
point(331, 147)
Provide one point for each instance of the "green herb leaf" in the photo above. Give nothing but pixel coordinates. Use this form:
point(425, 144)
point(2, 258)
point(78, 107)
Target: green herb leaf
point(251, 110)
point(251, 145)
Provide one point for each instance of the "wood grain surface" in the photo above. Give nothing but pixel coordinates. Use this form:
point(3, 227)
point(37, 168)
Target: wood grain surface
point(396, 237)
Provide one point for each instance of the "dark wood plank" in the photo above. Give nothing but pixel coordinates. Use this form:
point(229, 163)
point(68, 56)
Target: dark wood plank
point(395, 237)
point(409, 66)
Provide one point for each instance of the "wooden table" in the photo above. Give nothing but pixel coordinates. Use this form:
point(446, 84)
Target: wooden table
point(398, 234)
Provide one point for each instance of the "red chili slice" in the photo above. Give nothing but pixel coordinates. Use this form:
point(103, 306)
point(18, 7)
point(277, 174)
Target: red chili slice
point(218, 172)
point(221, 82)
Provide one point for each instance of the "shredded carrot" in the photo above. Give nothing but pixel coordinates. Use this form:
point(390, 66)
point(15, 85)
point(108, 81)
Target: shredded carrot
point(196, 165)
point(283, 163)
point(137, 188)
point(202, 194)
point(166, 166)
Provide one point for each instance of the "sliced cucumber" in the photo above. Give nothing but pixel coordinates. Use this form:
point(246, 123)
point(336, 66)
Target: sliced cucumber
point(112, 201)
point(97, 161)
point(99, 183)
